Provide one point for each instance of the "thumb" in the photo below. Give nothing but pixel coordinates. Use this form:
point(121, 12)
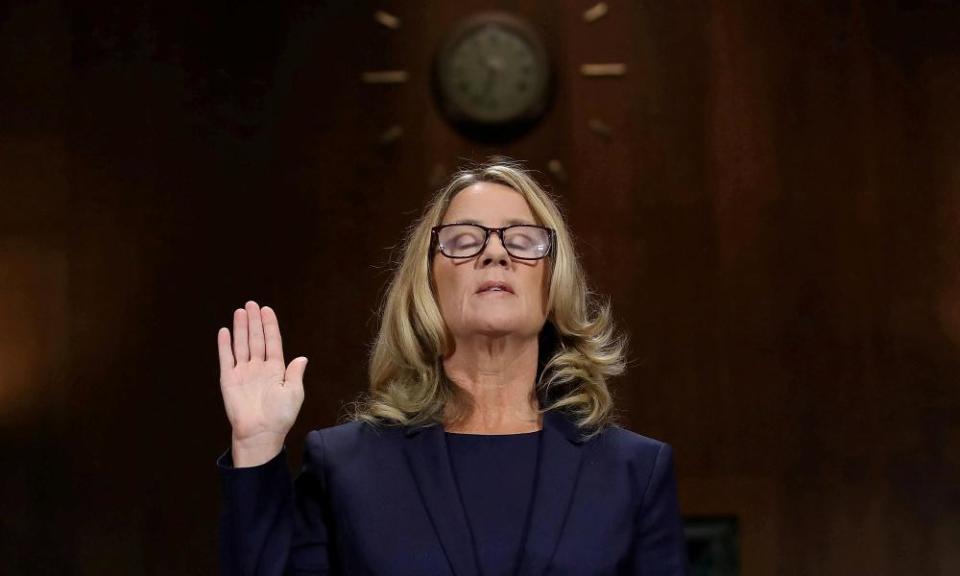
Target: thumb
point(295, 370)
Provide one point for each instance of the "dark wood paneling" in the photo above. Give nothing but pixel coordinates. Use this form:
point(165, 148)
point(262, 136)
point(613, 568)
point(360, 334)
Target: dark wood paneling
point(774, 219)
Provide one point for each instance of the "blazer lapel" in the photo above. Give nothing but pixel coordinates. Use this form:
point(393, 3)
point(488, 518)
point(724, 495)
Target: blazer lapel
point(426, 452)
point(561, 452)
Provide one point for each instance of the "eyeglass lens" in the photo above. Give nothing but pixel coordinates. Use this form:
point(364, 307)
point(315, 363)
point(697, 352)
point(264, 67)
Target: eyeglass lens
point(465, 240)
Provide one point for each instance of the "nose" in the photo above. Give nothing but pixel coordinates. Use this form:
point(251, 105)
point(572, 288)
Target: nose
point(494, 252)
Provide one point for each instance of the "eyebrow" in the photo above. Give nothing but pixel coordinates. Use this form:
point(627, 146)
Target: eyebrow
point(511, 222)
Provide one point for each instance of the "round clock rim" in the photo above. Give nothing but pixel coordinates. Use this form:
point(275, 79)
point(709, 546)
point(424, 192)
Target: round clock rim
point(463, 119)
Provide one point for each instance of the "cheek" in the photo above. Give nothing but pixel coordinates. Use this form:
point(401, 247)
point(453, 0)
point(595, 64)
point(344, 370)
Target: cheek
point(447, 287)
point(544, 291)
point(537, 286)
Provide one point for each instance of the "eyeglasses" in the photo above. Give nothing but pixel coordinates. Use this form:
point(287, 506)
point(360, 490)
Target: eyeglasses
point(521, 241)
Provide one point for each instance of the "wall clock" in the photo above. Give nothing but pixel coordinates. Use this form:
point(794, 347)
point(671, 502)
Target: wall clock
point(492, 77)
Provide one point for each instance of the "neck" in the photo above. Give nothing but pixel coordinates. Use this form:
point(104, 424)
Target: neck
point(497, 376)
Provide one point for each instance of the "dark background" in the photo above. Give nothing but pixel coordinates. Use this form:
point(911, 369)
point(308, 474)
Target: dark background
point(774, 217)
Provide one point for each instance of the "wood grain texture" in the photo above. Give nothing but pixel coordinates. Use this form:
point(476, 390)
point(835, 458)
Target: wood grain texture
point(774, 216)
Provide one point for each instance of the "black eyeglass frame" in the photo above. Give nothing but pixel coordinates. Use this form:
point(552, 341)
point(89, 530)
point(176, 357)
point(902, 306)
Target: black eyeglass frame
point(435, 239)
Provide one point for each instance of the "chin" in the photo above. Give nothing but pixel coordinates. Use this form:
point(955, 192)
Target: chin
point(494, 331)
point(493, 327)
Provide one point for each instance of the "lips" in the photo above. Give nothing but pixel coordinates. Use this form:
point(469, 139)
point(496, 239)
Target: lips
point(494, 286)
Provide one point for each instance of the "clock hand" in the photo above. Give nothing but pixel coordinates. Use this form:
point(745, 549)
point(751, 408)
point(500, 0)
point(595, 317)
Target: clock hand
point(491, 74)
point(495, 65)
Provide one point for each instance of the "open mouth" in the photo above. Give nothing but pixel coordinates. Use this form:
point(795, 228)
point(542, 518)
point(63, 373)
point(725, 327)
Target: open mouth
point(494, 287)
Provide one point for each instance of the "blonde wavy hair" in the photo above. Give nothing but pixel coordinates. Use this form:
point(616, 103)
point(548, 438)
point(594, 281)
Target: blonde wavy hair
point(579, 347)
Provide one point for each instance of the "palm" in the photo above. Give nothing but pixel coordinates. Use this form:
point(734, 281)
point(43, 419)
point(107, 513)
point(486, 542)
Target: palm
point(262, 397)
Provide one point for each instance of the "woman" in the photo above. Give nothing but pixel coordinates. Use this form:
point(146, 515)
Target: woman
point(485, 444)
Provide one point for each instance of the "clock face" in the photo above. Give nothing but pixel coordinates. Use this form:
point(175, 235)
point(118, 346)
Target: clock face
point(494, 71)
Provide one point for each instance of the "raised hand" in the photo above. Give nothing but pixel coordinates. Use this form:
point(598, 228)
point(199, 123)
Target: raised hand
point(261, 395)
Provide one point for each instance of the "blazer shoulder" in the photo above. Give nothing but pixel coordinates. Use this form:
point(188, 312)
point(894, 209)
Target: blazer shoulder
point(344, 442)
point(632, 446)
point(647, 462)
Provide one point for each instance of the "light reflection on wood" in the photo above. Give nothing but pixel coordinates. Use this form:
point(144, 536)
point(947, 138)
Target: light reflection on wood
point(385, 77)
point(604, 69)
point(386, 19)
point(33, 312)
point(556, 168)
point(601, 127)
point(595, 12)
point(391, 135)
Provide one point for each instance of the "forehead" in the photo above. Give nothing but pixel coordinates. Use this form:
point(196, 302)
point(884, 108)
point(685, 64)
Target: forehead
point(490, 204)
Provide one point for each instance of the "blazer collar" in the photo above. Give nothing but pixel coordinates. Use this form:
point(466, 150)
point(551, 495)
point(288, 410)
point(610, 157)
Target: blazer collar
point(558, 466)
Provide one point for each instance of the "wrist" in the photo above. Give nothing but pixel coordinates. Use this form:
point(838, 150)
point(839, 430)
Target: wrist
point(256, 450)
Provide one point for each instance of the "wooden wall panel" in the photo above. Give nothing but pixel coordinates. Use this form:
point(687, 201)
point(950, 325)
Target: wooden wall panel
point(774, 219)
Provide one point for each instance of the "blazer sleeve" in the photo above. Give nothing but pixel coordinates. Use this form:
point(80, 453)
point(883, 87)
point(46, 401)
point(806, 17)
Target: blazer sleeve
point(270, 526)
point(660, 547)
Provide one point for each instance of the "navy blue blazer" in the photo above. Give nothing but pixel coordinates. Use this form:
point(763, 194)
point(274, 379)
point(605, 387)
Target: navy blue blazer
point(383, 500)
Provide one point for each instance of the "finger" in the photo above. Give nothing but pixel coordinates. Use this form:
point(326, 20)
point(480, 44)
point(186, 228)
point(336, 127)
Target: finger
point(271, 333)
point(223, 346)
point(240, 350)
point(256, 331)
point(295, 370)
